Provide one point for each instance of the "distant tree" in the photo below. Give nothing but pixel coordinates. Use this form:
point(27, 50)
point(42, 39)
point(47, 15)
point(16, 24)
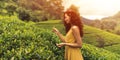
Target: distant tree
point(24, 14)
point(15, 1)
point(108, 24)
point(117, 29)
point(55, 8)
point(52, 7)
point(96, 23)
point(100, 41)
point(38, 16)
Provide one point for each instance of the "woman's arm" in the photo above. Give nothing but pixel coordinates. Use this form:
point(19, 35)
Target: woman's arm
point(59, 34)
point(78, 42)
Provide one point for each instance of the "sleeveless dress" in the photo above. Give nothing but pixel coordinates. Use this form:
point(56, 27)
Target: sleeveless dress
point(72, 53)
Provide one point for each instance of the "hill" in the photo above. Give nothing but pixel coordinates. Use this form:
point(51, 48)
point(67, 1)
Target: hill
point(86, 21)
point(94, 36)
point(27, 41)
point(97, 36)
point(110, 24)
point(113, 48)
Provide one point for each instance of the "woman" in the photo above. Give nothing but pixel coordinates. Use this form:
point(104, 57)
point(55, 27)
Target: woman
point(73, 39)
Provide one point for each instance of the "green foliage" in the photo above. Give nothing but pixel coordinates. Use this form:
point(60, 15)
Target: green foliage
point(29, 15)
point(11, 8)
point(92, 53)
point(28, 41)
point(8, 7)
point(113, 48)
point(53, 8)
point(34, 10)
point(2, 6)
point(92, 35)
point(38, 16)
point(24, 41)
point(51, 21)
point(50, 24)
point(24, 14)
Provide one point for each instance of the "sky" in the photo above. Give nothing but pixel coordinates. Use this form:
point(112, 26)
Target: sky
point(95, 9)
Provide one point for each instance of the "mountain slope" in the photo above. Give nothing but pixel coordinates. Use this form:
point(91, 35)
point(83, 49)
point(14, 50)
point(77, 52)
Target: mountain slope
point(97, 37)
point(86, 21)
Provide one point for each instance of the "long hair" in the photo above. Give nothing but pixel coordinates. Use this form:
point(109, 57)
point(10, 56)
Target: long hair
point(74, 20)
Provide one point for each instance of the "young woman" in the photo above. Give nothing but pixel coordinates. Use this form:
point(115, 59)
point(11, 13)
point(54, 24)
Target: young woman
point(73, 39)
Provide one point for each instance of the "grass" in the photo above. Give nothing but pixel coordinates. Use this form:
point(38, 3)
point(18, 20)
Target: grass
point(51, 21)
point(50, 24)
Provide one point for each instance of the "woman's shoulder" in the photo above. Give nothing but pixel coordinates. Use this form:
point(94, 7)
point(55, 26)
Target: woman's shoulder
point(75, 28)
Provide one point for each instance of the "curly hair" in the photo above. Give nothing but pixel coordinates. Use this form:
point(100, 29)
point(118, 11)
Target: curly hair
point(74, 20)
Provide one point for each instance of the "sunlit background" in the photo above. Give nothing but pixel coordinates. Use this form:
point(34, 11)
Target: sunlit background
point(95, 9)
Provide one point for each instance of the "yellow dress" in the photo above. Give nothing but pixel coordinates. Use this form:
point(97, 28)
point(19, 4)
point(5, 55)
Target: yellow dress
point(72, 53)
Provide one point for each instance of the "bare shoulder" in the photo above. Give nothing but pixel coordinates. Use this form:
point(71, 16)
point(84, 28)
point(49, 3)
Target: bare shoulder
point(75, 29)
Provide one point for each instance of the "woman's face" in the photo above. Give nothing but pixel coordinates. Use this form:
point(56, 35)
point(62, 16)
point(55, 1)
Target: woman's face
point(67, 19)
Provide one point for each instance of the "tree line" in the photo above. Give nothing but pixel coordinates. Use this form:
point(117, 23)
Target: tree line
point(34, 10)
point(110, 24)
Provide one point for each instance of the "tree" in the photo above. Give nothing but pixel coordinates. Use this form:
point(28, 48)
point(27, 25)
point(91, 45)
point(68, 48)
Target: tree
point(24, 14)
point(52, 7)
point(108, 24)
point(96, 23)
point(100, 40)
point(117, 29)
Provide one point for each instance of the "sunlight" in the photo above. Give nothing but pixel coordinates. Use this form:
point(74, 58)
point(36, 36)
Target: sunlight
point(94, 17)
point(95, 8)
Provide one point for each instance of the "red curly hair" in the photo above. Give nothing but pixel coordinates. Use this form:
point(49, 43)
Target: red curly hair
point(74, 20)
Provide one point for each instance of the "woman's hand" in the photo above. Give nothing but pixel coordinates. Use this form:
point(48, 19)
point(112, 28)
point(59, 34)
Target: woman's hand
point(55, 30)
point(61, 44)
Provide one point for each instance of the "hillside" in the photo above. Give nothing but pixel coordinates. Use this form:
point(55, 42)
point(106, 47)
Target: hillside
point(110, 23)
point(89, 33)
point(86, 21)
point(113, 48)
point(99, 37)
point(94, 36)
point(27, 41)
